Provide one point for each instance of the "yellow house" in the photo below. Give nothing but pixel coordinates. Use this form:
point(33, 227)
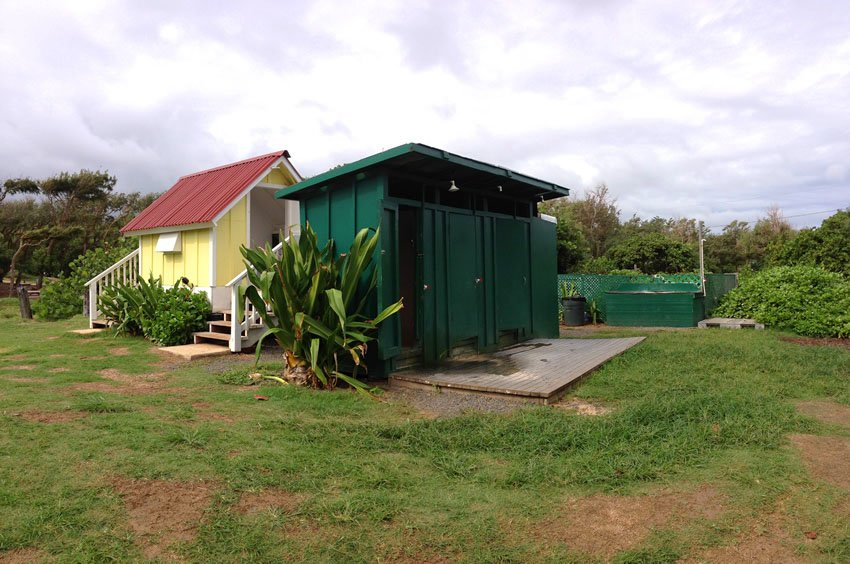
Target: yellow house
point(195, 229)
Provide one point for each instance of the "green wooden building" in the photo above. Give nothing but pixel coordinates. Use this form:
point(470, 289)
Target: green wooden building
point(461, 241)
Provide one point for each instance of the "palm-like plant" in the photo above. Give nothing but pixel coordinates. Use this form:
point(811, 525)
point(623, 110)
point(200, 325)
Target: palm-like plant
point(313, 305)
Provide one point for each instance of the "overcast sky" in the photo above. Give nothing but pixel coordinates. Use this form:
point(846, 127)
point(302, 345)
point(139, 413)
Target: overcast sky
point(713, 110)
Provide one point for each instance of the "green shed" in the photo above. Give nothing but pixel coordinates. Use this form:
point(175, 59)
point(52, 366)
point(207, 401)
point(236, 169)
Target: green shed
point(655, 305)
point(461, 241)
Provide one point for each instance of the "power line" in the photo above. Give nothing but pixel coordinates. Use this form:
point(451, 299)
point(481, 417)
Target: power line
point(788, 216)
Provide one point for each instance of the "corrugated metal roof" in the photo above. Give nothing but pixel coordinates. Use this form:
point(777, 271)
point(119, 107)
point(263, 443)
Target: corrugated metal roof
point(200, 197)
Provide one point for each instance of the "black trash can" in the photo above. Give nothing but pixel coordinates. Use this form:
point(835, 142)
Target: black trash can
point(574, 310)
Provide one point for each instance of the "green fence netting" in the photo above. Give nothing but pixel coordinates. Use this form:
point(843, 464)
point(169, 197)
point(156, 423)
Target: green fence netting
point(594, 286)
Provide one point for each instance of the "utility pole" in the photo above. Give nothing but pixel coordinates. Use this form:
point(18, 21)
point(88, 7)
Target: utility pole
point(701, 260)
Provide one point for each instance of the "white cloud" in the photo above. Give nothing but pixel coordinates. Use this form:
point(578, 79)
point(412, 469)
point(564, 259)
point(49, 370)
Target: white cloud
point(707, 109)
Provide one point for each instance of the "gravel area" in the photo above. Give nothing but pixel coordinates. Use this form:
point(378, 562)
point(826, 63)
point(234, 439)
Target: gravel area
point(435, 404)
point(219, 364)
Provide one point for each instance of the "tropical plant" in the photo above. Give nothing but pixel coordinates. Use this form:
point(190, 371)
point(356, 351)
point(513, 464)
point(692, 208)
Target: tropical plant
point(165, 316)
point(568, 289)
point(313, 305)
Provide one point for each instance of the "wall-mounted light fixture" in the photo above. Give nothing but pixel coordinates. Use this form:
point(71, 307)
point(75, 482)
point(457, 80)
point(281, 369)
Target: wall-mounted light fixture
point(453, 187)
point(499, 187)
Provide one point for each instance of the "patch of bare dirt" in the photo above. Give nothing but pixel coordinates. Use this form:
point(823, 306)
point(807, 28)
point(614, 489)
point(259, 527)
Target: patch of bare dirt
point(59, 370)
point(56, 356)
point(272, 498)
point(120, 351)
point(22, 556)
point(130, 384)
point(603, 525)
point(827, 458)
point(24, 380)
point(825, 342)
point(583, 407)
point(213, 416)
point(37, 416)
point(162, 513)
point(205, 410)
point(767, 541)
point(826, 411)
point(20, 367)
point(17, 357)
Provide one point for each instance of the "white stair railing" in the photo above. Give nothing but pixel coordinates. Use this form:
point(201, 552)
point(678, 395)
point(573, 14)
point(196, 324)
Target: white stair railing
point(240, 325)
point(125, 271)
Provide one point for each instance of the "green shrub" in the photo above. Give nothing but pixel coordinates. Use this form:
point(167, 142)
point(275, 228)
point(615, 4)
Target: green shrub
point(807, 300)
point(165, 316)
point(64, 297)
point(179, 313)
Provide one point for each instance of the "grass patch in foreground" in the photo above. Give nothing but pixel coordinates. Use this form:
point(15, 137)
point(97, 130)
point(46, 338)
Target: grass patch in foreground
point(374, 481)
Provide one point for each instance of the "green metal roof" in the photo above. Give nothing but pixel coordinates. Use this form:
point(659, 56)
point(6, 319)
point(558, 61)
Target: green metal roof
point(436, 165)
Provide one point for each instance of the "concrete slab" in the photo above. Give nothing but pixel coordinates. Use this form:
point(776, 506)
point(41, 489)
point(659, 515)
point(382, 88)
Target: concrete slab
point(730, 323)
point(193, 352)
point(88, 331)
point(540, 370)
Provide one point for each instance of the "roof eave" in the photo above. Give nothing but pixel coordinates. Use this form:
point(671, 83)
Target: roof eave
point(549, 190)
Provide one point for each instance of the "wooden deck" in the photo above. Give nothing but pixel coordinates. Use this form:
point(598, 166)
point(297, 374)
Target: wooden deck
point(538, 370)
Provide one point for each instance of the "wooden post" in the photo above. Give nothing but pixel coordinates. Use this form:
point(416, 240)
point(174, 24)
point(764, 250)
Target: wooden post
point(24, 300)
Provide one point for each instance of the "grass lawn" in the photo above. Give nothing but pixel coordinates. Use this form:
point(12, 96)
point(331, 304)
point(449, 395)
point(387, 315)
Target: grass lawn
point(110, 450)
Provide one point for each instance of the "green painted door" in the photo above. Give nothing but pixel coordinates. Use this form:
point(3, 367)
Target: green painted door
point(463, 277)
point(544, 279)
point(389, 334)
point(513, 276)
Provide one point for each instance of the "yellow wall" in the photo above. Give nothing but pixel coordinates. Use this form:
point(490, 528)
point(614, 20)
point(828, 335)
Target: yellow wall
point(279, 176)
point(193, 261)
point(231, 234)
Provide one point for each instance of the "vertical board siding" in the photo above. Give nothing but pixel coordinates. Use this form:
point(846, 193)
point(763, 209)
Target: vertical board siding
point(192, 261)
point(513, 291)
point(456, 249)
point(231, 234)
point(462, 271)
point(544, 278)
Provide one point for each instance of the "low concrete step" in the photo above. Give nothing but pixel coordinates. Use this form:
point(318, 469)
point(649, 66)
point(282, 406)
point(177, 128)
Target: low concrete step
point(730, 323)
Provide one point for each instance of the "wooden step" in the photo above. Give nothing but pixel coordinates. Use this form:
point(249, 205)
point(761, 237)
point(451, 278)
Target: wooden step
point(209, 335)
point(222, 327)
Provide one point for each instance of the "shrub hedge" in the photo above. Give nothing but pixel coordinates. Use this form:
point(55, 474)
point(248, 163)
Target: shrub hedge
point(806, 300)
point(63, 298)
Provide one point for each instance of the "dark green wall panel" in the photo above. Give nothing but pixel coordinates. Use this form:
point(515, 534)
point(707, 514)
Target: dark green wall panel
point(513, 284)
point(544, 279)
point(462, 272)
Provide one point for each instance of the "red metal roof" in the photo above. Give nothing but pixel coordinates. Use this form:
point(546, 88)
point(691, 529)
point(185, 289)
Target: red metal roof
point(200, 197)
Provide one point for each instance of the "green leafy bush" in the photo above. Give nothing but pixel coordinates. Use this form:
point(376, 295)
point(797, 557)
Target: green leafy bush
point(180, 313)
point(64, 297)
point(165, 316)
point(807, 300)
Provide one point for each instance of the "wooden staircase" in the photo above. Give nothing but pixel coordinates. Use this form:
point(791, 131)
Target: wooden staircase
point(236, 335)
point(219, 332)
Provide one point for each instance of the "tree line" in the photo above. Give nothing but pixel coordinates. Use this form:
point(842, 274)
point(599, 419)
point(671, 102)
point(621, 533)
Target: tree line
point(47, 223)
point(593, 239)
